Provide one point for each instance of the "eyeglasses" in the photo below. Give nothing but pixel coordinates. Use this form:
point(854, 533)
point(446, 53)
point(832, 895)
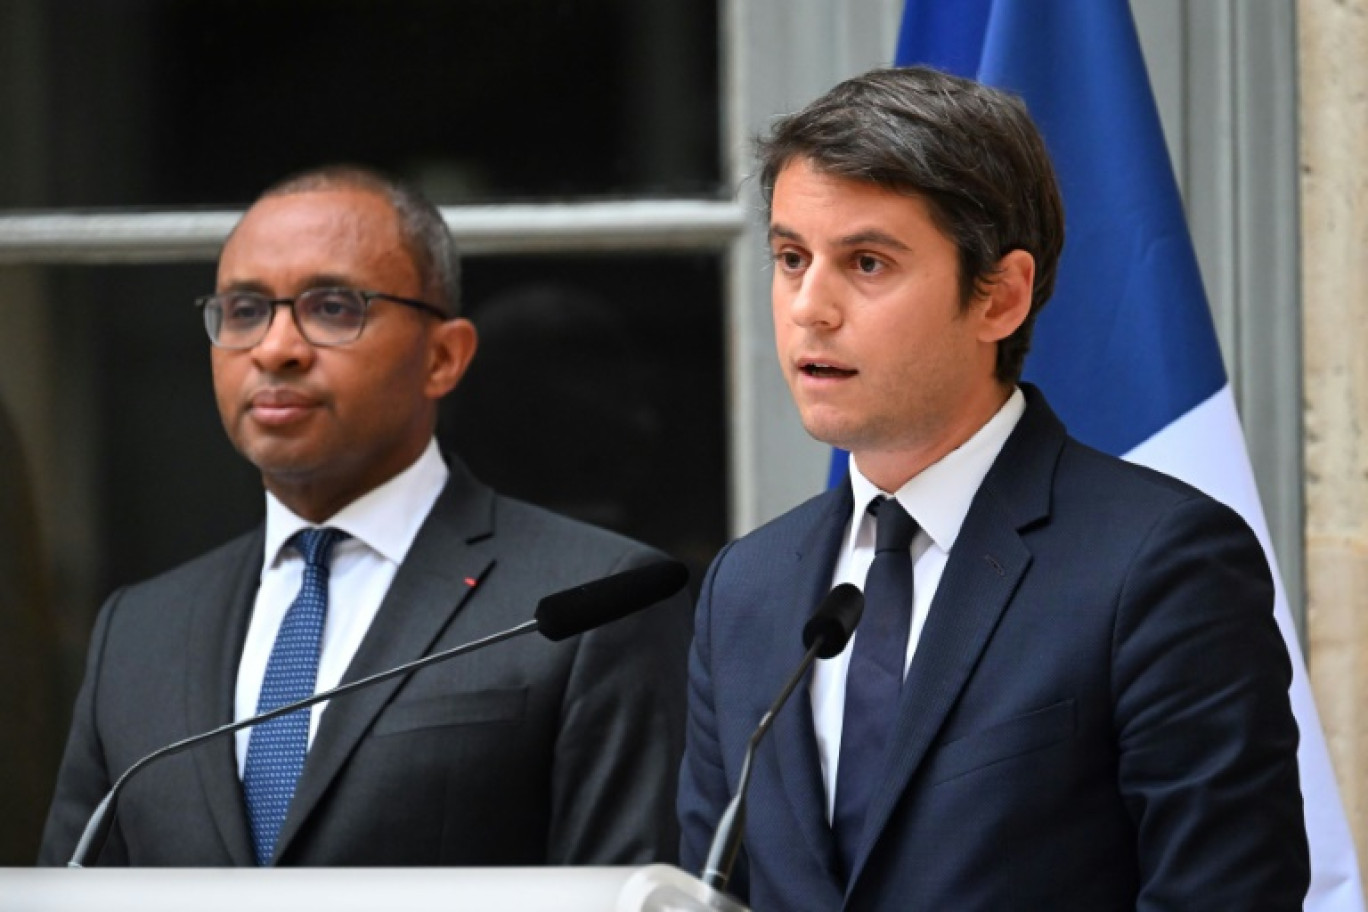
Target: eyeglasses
point(324, 316)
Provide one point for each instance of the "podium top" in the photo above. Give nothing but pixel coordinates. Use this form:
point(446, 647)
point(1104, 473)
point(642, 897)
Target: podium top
point(334, 889)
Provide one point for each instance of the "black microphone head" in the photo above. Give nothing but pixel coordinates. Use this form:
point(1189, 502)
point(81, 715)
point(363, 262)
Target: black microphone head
point(834, 620)
point(564, 614)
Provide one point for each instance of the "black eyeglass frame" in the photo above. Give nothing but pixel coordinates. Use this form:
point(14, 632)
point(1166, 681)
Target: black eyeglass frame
point(203, 302)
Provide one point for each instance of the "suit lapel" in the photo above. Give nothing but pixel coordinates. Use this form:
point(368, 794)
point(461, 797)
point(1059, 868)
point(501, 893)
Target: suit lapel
point(450, 555)
point(986, 564)
point(794, 733)
point(213, 653)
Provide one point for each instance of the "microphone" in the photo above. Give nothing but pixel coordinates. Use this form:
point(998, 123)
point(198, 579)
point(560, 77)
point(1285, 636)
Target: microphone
point(602, 601)
point(825, 635)
point(558, 616)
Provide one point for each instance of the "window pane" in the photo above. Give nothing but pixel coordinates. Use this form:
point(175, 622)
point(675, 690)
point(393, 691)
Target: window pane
point(598, 390)
point(204, 103)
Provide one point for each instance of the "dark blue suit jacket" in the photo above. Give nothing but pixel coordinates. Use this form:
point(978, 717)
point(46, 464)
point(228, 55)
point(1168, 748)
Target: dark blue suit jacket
point(1096, 716)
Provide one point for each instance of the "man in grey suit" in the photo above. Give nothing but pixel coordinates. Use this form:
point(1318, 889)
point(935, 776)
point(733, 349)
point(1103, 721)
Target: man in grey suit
point(375, 550)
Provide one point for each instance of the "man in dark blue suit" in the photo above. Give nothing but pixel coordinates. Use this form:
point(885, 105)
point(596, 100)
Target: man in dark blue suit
point(1068, 690)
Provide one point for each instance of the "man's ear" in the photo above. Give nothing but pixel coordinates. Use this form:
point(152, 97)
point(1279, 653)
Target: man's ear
point(1006, 302)
point(452, 349)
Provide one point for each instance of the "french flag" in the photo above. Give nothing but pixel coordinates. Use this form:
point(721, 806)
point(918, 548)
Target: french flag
point(1126, 350)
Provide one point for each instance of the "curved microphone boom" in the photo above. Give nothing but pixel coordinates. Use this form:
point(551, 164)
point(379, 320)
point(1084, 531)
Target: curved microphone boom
point(558, 616)
point(825, 635)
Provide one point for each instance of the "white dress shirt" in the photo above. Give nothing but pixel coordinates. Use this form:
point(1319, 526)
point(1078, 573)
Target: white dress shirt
point(382, 524)
point(938, 498)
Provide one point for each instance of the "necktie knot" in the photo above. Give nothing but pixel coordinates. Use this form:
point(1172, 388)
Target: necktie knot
point(316, 545)
point(895, 529)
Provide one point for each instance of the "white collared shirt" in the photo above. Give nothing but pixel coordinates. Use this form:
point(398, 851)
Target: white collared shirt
point(938, 498)
point(382, 524)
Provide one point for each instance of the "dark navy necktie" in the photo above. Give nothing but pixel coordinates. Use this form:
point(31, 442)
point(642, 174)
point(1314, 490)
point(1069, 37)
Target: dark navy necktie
point(276, 749)
point(875, 678)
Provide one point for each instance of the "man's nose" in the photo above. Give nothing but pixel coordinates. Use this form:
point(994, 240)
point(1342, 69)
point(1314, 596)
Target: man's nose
point(817, 301)
point(284, 344)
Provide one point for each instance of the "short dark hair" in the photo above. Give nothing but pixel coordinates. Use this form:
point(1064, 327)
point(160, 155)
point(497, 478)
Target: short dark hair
point(971, 151)
point(422, 229)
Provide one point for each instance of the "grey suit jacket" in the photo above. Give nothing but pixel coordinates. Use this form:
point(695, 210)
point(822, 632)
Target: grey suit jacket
point(529, 752)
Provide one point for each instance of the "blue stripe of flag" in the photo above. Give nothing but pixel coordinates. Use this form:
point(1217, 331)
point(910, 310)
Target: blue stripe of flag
point(1126, 344)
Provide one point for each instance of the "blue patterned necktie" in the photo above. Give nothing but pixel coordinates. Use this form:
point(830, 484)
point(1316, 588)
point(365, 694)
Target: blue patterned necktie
point(276, 749)
point(875, 678)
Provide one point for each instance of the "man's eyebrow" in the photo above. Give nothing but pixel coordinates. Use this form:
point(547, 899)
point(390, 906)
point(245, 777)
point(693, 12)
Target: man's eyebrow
point(329, 280)
point(245, 285)
point(319, 280)
point(872, 236)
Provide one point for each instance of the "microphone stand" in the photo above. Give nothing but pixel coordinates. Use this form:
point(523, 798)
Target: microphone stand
point(726, 842)
point(825, 635)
